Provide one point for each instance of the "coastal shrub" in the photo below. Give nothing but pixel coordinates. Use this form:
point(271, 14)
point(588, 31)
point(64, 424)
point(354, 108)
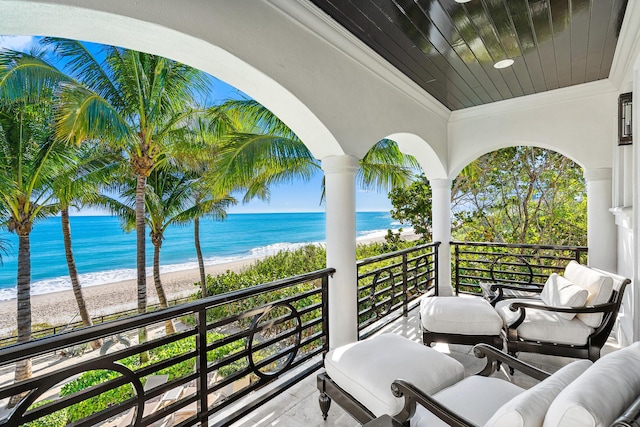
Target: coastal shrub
point(112, 397)
point(56, 419)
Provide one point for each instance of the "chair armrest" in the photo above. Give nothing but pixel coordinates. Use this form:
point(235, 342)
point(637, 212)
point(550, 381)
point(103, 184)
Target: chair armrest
point(413, 395)
point(524, 288)
point(521, 305)
point(494, 356)
point(598, 308)
point(499, 288)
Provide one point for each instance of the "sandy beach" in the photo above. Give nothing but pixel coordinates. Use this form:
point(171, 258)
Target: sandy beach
point(59, 308)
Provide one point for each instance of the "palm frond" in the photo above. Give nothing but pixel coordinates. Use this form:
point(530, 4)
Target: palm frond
point(26, 78)
point(82, 64)
point(385, 167)
point(84, 115)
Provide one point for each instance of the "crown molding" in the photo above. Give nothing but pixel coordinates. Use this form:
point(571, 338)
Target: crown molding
point(522, 103)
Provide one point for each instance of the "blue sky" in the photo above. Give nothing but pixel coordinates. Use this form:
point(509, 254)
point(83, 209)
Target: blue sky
point(297, 196)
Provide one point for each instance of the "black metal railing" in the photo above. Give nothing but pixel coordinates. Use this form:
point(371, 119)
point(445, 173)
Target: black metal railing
point(389, 283)
point(57, 329)
point(475, 263)
point(226, 346)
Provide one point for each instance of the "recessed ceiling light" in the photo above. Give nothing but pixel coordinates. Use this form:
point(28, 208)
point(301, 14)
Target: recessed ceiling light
point(503, 64)
point(462, 1)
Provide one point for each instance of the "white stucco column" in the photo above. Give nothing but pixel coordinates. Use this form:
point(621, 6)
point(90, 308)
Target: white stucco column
point(601, 228)
point(441, 222)
point(340, 188)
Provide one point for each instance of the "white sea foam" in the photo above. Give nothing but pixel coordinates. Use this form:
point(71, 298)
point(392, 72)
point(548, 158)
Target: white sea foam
point(278, 247)
point(63, 283)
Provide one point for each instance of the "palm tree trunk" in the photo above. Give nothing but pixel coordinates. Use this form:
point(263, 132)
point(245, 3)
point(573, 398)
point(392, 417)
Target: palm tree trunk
point(73, 274)
point(141, 258)
point(23, 368)
point(162, 297)
point(196, 238)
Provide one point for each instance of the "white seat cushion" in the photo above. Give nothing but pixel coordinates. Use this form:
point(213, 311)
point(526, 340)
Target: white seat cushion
point(459, 315)
point(528, 409)
point(599, 285)
point(366, 369)
point(475, 398)
point(598, 396)
point(545, 326)
point(560, 292)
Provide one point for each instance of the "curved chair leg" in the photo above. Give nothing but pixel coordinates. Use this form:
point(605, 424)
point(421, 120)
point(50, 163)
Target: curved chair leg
point(325, 404)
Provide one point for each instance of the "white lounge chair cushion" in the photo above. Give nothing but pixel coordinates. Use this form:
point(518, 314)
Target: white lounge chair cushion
point(366, 369)
point(560, 292)
point(545, 326)
point(599, 286)
point(601, 394)
point(475, 398)
point(529, 408)
point(459, 315)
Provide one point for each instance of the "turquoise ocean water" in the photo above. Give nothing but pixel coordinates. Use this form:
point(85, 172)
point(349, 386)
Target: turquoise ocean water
point(105, 254)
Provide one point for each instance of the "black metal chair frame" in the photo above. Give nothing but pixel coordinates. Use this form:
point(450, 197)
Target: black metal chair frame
point(330, 391)
point(595, 342)
point(413, 396)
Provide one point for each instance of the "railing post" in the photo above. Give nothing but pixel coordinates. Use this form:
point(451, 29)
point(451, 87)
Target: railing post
point(201, 366)
point(436, 258)
point(405, 285)
point(325, 313)
point(457, 268)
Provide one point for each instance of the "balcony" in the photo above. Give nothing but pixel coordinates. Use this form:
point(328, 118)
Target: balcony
point(248, 357)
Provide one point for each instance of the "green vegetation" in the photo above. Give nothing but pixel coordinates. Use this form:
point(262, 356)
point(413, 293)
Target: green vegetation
point(539, 199)
point(57, 419)
point(119, 394)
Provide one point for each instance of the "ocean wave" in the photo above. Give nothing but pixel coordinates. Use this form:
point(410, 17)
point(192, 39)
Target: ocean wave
point(63, 283)
point(279, 247)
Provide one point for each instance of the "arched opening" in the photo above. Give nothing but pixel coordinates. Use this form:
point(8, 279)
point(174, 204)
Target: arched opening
point(521, 195)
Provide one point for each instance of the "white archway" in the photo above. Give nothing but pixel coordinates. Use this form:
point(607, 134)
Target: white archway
point(432, 165)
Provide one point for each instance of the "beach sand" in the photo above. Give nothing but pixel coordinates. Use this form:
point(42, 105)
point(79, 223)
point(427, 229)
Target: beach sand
point(60, 308)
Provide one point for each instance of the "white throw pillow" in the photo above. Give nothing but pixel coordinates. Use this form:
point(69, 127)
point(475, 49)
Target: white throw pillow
point(599, 395)
point(599, 286)
point(529, 408)
point(560, 292)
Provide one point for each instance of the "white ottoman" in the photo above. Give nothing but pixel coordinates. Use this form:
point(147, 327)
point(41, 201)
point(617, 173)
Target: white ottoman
point(460, 320)
point(363, 372)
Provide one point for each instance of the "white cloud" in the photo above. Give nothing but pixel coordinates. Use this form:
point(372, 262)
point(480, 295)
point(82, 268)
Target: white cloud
point(19, 43)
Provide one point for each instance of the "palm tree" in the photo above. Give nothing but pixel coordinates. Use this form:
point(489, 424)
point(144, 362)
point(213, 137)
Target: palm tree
point(261, 150)
point(206, 204)
point(30, 159)
point(135, 102)
point(87, 170)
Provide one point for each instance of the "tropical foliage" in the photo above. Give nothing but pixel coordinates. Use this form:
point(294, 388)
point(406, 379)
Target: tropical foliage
point(30, 160)
point(539, 199)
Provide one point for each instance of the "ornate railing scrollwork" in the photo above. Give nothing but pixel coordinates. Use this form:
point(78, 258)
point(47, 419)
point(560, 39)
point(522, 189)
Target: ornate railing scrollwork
point(257, 326)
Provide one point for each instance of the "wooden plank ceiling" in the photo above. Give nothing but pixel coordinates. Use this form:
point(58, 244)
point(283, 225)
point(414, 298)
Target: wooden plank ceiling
point(449, 48)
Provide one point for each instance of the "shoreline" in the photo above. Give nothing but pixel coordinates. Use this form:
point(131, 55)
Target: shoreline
point(60, 308)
